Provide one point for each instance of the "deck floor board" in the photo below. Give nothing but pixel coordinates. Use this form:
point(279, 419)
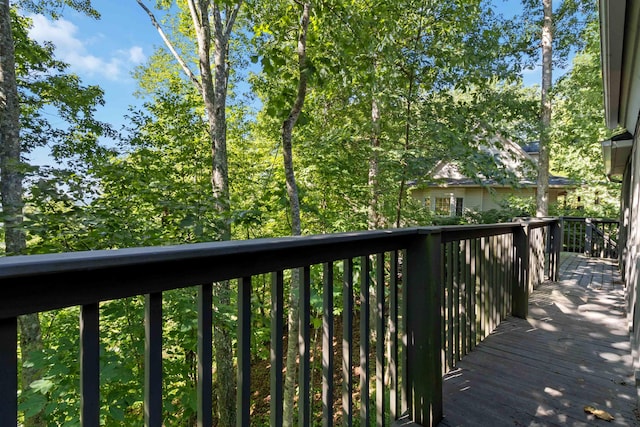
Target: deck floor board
point(572, 351)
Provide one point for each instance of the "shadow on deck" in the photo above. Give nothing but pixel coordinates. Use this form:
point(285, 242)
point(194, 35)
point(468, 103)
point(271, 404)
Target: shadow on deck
point(572, 351)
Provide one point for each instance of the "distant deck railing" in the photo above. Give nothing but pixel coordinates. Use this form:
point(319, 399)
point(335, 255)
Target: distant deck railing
point(596, 237)
point(438, 292)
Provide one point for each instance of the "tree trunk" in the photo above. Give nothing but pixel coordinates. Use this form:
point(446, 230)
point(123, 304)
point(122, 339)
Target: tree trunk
point(374, 219)
point(11, 179)
point(11, 188)
point(294, 204)
point(214, 96)
point(213, 89)
point(407, 145)
point(542, 194)
point(222, 336)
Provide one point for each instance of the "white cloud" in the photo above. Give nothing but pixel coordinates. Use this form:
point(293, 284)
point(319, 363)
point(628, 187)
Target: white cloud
point(70, 48)
point(136, 55)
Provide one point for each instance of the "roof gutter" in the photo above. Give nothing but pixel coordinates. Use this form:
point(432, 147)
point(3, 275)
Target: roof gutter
point(612, 20)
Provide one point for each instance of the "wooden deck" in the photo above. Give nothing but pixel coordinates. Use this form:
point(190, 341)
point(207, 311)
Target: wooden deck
point(573, 351)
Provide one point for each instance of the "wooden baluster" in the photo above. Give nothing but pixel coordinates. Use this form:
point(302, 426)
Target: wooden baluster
point(448, 296)
point(9, 371)
point(89, 366)
point(304, 340)
point(277, 348)
point(327, 346)
point(205, 354)
point(380, 339)
point(394, 402)
point(244, 352)
point(347, 340)
point(365, 335)
point(153, 360)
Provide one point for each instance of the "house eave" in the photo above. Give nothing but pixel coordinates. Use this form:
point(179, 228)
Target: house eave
point(612, 29)
point(494, 185)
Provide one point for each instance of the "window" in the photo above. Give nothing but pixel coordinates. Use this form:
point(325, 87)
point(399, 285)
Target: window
point(459, 201)
point(443, 206)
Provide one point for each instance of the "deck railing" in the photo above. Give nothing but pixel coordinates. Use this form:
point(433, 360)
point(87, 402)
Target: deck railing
point(436, 293)
point(592, 236)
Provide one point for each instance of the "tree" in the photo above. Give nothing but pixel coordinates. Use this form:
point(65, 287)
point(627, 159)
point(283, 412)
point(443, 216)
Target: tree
point(294, 201)
point(285, 102)
point(542, 193)
point(12, 172)
point(560, 34)
point(213, 89)
point(21, 100)
point(578, 127)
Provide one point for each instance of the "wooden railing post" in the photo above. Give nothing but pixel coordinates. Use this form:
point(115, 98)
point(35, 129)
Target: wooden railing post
point(521, 288)
point(588, 238)
point(555, 234)
point(423, 329)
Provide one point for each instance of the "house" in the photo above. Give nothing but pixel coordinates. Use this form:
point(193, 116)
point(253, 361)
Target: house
point(451, 192)
point(620, 43)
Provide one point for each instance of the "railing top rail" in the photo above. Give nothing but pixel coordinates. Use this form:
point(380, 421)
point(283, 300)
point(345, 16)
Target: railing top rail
point(44, 282)
point(538, 222)
point(451, 233)
point(582, 219)
point(604, 220)
point(34, 265)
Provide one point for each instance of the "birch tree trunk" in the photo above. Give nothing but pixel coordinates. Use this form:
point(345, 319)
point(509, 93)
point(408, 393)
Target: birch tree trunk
point(294, 205)
point(542, 194)
point(214, 96)
point(213, 89)
point(11, 188)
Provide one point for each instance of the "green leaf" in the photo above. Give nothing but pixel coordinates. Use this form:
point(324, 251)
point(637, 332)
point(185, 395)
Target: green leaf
point(32, 405)
point(116, 412)
point(42, 385)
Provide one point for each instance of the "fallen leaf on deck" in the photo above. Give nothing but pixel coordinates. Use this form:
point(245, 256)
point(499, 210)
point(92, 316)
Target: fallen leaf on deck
point(599, 413)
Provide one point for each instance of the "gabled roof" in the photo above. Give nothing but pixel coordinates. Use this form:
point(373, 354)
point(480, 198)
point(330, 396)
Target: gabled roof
point(509, 156)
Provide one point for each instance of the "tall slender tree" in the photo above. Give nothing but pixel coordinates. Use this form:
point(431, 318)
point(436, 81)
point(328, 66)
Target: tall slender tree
point(11, 165)
point(12, 173)
point(12, 146)
point(542, 194)
point(294, 206)
point(559, 32)
point(212, 21)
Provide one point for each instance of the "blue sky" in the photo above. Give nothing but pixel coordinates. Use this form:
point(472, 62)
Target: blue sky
point(104, 51)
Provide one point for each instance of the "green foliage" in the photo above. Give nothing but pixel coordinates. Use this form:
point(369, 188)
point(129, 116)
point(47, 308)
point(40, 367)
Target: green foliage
point(510, 208)
point(593, 201)
point(54, 8)
point(56, 393)
point(578, 130)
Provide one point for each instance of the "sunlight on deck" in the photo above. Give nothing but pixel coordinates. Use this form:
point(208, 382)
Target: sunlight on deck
point(573, 351)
